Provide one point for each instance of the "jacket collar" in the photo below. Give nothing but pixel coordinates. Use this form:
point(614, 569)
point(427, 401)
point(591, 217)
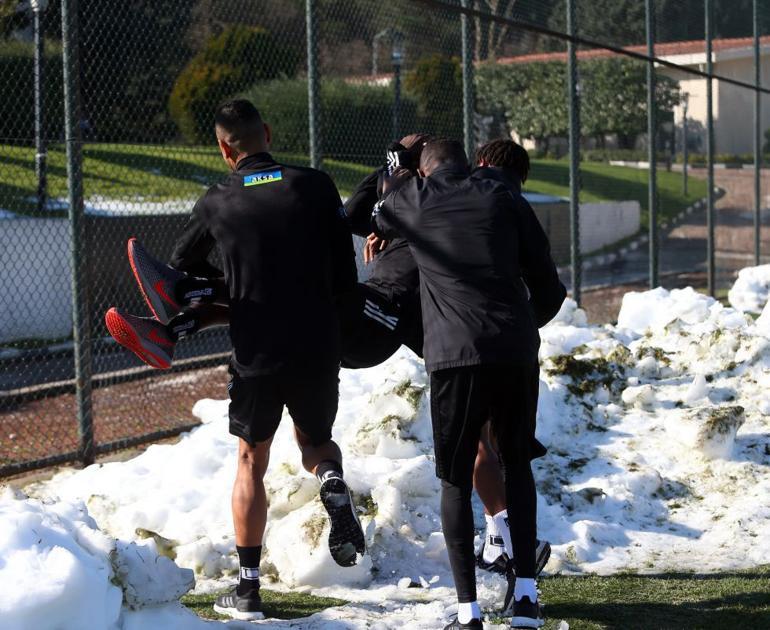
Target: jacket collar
point(449, 170)
point(254, 162)
point(500, 175)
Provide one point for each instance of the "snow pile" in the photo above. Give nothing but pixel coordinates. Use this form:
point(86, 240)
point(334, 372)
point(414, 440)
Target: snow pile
point(751, 289)
point(58, 570)
point(659, 459)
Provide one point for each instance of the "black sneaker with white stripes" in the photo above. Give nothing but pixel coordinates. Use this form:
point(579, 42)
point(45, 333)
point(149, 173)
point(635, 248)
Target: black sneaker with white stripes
point(500, 563)
point(246, 607)
point(473, 624)
point(527, 614)
point(346, 538)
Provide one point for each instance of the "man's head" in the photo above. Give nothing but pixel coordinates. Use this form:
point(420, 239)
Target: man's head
point(505, 154)
point(240, 131)
point(414, 143)
point(440, 152)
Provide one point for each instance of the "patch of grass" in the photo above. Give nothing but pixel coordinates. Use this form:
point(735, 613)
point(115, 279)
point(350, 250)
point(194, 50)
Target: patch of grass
point(602, 182)
point(135, 172)
point(275, 605)
point(670, 601)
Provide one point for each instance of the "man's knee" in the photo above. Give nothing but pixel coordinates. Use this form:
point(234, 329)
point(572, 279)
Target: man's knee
point(253, 459)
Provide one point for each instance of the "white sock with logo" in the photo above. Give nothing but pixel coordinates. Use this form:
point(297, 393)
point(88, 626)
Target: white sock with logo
point(467, 611)
point(494, 545)
point(525, 587)
point(501, 520)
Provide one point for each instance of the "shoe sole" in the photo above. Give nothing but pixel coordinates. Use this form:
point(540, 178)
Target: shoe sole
point(526, 622)
point(158, 310)
point(346, 538)
point(238, 614)
point(126, 336)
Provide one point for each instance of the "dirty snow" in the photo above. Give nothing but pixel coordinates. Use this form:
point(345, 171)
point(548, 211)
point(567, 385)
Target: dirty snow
point(659, 459)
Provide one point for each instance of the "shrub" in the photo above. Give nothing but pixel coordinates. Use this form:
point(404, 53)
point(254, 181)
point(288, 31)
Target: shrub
point(437, 86)
point(17, 112)
point(231, 61)
point(356, 120)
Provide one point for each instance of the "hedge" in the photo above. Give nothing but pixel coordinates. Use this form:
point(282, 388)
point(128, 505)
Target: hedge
point(356, 120)
point(230, 62)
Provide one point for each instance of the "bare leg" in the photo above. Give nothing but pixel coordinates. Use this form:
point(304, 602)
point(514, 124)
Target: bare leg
point(488, 475)
point(314, 455)
point(249, 502)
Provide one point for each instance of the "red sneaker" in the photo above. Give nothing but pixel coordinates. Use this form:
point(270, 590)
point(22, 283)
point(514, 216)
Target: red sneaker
point(156, 281)
point(144, 336)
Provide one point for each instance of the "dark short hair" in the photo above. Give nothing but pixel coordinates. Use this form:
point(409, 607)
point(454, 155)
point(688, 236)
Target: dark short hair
point(237, 114)
point(443, 151)
point(506, 154)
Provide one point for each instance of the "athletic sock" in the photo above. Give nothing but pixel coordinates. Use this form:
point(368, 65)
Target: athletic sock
point(491, 551)
point(467, 611)
point(186, 323)
point(327, 469)
point(525, 587)
point(249, 558)
point(504, 530)
point(191, 289)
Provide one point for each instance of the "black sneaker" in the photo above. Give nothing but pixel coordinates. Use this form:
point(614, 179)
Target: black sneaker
point(499, 564)
point(475, 624)
point(246, 607)
point(527, 614)
point(346, 538)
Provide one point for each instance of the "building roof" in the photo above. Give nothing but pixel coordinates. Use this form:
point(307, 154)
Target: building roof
point(666, 49)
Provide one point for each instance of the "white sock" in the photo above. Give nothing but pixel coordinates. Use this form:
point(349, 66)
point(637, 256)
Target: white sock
point(501, 519)
point(492, 550)
point(525, 587)
point(467, 611)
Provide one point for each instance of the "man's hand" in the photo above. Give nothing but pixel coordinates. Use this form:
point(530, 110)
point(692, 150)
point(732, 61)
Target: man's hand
point(374, 245)
point(399, 176)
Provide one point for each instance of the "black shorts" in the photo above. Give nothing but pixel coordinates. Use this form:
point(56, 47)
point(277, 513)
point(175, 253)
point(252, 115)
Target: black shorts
point(372, 327)
point(257, 402)
point(463, 399)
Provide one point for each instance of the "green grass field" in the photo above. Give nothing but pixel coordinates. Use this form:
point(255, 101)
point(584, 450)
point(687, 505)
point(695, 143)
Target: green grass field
point(162, 173)
point(738, 600)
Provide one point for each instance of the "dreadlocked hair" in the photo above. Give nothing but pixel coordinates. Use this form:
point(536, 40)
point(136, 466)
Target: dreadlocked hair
point(505, 154)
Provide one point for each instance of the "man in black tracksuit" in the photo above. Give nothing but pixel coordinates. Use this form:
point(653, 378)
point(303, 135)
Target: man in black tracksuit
point(481, 345)
point(268, 220)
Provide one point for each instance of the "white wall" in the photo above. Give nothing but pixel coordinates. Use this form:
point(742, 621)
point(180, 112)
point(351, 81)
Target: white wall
point(605, 223)
point(35, 292)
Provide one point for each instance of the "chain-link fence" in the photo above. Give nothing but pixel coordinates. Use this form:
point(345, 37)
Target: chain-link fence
point(105, 133)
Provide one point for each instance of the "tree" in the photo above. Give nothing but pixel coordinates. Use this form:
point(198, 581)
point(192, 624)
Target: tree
point(534, 97)
point(232, 61)
point(436, 83)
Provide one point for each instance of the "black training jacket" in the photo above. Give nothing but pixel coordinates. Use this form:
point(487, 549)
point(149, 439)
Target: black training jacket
point(287, 251)
point(393, 272)
point(538, 270)
point(462, 231)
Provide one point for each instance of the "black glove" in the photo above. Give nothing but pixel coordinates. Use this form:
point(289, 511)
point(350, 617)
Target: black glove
point(398, 157)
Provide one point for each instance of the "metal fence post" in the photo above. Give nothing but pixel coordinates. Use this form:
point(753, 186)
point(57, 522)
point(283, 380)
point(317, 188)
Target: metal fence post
point(38, 8)
point(313, 109)
point(652, 129)
point(78, 247)
point(757, 140)
point(468, 92)
point(574, 154)
point(710, 150)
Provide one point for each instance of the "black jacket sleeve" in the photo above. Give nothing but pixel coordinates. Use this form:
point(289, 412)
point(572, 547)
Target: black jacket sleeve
point(538, 270)
point(343, 255)
point(385, 217)
point(358, 208)
point(193, 247)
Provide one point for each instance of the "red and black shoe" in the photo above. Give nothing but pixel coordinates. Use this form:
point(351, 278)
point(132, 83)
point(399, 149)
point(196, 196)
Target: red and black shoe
point(146, 337)
point(156, 281)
